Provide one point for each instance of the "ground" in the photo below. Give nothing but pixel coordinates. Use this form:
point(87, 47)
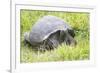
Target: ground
point(78, 21)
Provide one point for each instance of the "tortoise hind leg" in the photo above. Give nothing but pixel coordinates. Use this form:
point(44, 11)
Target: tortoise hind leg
point(26, 36)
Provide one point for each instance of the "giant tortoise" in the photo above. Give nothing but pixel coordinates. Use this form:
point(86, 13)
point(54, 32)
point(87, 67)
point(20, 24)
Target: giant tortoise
point(49, 32)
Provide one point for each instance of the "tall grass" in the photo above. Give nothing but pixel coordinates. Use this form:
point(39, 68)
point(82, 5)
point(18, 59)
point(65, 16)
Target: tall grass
point(78, 21)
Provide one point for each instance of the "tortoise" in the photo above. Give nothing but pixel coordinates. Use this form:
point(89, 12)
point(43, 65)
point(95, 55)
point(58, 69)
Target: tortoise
point(49, 32)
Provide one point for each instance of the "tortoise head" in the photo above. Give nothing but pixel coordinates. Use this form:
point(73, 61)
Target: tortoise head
point(71, 32)
point(69, 38)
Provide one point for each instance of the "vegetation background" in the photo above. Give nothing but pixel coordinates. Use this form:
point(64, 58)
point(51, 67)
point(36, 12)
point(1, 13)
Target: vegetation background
point(79, 21)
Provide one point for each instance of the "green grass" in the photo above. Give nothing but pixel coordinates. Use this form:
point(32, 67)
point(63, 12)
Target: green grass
point(78, 21)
